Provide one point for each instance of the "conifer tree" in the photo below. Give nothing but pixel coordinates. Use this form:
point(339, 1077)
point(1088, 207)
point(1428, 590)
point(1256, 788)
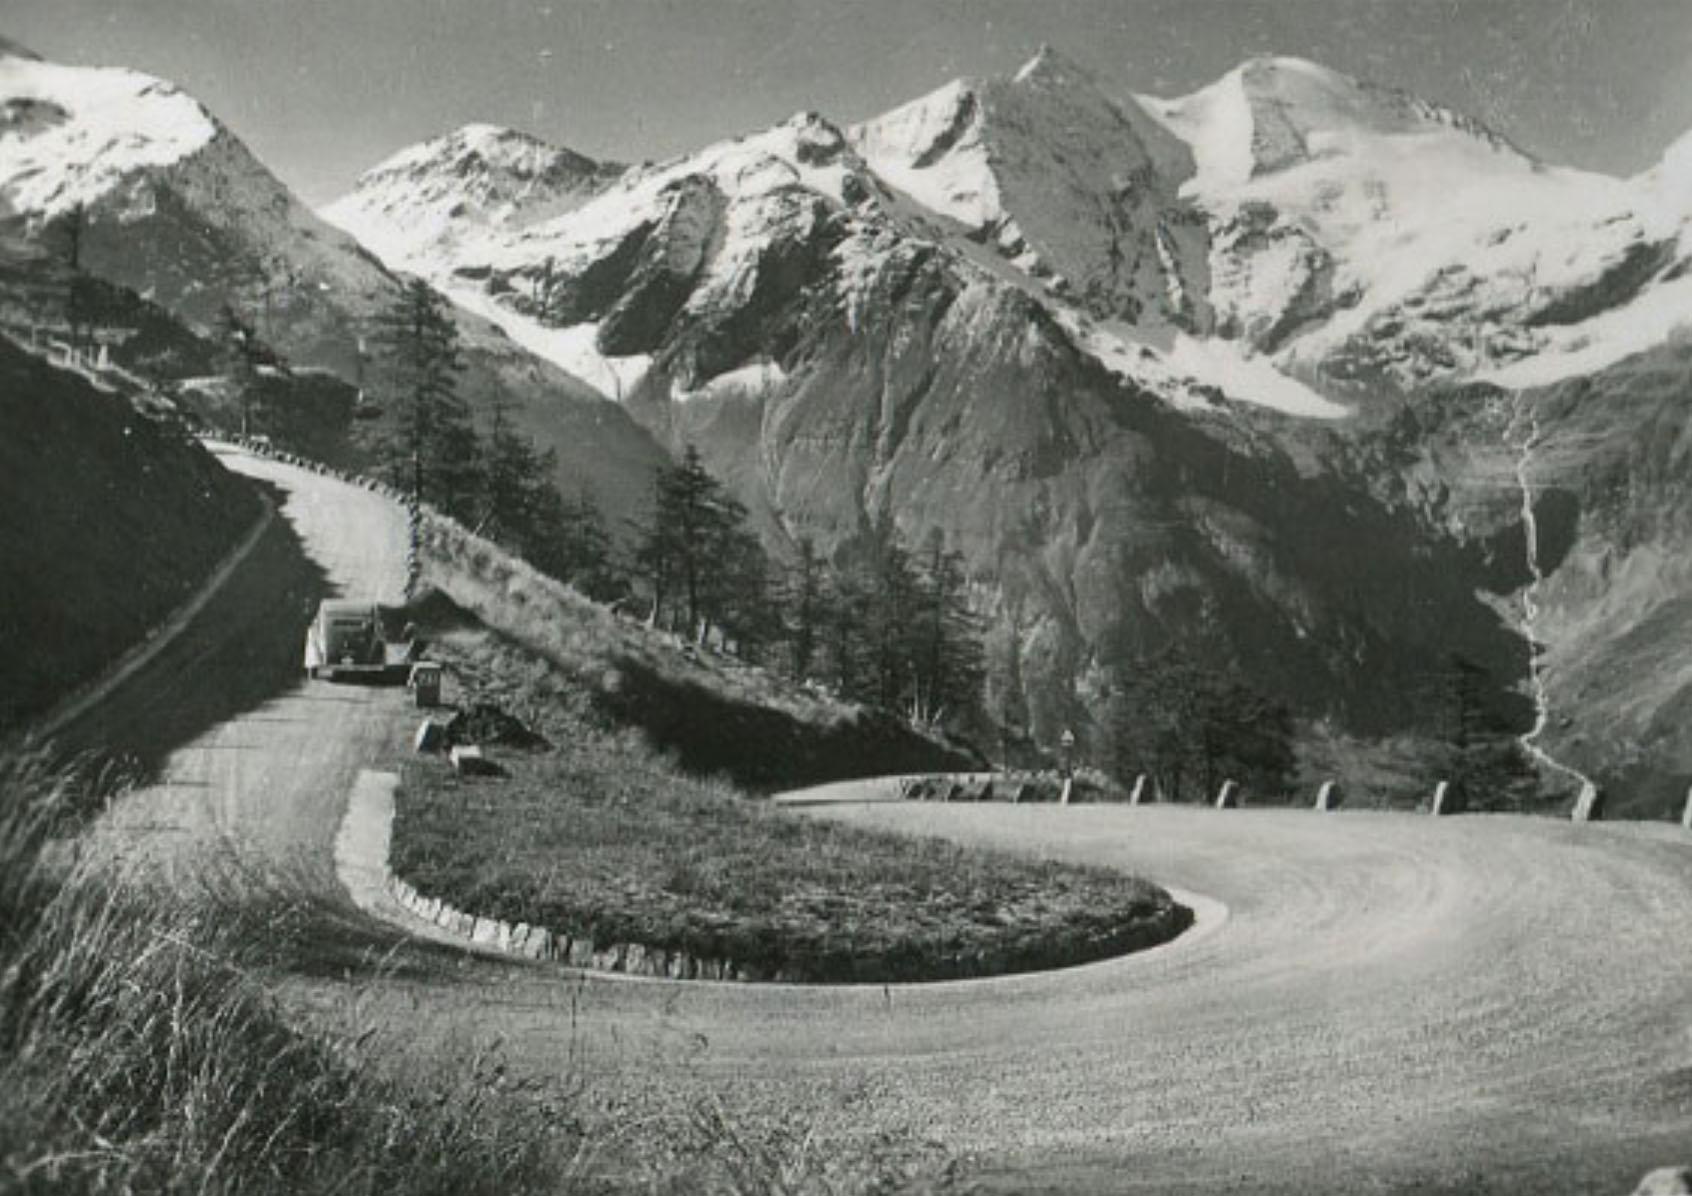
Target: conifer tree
point(434, 454)
point(846, 620)
point(520, 507)
point(740, 597)
point(1488, 762)
point(803, 597)
point(893, 603)
point(948, 666)
point(701, 563)
point(577, 547)
point(1191, 727)
point(242, 353)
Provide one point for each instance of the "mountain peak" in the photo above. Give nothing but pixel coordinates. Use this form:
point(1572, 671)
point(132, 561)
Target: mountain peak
point(11, 49)
point(1050, 65)
point(77, 133)
point(481, 146)
point(1269, 66)
point(478, 174)
point(1275, 112)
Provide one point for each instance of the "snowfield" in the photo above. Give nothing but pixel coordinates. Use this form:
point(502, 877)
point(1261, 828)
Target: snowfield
point(69, 135)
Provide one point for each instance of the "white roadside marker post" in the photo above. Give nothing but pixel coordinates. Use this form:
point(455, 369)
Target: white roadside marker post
point(1589, 807)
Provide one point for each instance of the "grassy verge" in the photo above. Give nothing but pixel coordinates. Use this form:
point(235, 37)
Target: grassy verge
point(138, 1051)
point(602, 837)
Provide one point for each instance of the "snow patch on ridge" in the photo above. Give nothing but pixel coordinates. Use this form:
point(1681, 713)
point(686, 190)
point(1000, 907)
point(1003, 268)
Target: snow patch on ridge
point(1225, 364)
point(116, 124)
point(571, 349)
point(1661, 313)
point(1189, 369)
point(753, 378)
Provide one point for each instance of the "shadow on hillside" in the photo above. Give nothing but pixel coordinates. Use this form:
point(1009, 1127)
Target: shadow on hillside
point(764, 749)
point(705, 730)
point(243, 650)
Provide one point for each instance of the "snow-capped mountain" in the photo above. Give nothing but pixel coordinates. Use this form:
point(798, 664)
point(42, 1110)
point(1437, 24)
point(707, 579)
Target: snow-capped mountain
point(174, 206)
point(481, 176)
point(1067, 324)
point(1365, 234)
point(984, 313)
point(1072, 188)
point(1039, 183)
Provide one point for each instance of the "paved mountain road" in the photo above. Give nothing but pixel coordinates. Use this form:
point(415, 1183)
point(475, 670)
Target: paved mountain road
point(1388, 1003)
point(268, 784)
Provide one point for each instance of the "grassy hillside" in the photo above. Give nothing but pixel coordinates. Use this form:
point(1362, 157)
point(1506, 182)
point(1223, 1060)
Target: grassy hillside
point(715, 714)
point(107, 523)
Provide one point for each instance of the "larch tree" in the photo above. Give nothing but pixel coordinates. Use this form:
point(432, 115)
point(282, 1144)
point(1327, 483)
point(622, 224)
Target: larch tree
point(948, 666)
point(434, 452)
point(804, 599)
point(241, 352)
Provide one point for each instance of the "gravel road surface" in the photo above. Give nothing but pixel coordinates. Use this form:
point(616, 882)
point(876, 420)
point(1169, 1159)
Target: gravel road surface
point(1371, 1003)
point(266, 785)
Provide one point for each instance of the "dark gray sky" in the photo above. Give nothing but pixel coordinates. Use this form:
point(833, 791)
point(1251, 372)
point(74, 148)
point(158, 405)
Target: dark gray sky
point(323, 88)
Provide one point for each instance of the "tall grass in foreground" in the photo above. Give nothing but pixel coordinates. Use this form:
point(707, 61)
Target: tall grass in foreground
point(138, 1053)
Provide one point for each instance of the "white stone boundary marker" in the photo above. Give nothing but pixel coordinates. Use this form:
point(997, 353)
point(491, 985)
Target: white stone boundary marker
point(1328, 796)
point(1068, 784)
point(1589, 806)
point(1686, 815)
point(1138, 795)
point(1446, 800)
point(1229, 797)
point(430, 736)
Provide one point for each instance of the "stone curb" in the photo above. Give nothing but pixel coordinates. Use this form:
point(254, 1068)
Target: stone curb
point(541, 944)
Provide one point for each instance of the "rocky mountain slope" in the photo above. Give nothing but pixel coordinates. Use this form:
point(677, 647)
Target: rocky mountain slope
point(176, 208)
point(985, 313)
